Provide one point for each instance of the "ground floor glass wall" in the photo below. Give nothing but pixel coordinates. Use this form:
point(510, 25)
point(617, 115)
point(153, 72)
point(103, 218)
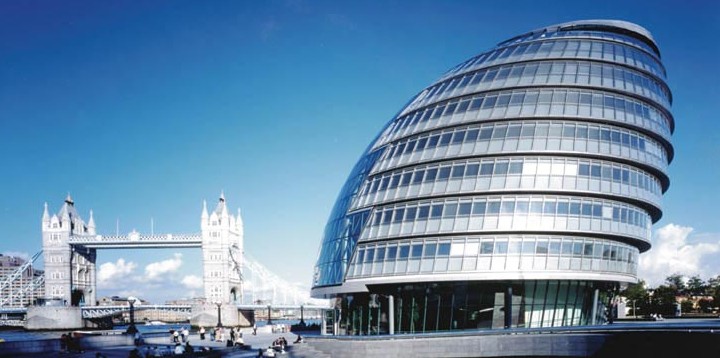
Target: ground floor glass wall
point(431, 307)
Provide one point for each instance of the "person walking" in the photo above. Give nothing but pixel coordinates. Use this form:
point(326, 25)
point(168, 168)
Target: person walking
point(254, 329)
point(185, 334)
point(202, 333)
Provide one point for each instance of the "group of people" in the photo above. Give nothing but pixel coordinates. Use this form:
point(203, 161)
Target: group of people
point(218, 335)
point(278, 346)
point(179, 349)
point(179, 335)
point(181, 340)
point(656, 317)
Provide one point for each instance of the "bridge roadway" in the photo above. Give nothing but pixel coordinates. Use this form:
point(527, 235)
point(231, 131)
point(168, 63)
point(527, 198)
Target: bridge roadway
point(135, 240)
point(105, 311)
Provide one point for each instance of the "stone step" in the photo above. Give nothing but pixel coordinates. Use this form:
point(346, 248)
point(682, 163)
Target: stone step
point(306, 351)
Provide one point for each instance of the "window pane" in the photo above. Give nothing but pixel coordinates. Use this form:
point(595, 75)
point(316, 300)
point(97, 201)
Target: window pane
point(430, 250)
point(444, 249)
point(417, 250)
point(404, 251)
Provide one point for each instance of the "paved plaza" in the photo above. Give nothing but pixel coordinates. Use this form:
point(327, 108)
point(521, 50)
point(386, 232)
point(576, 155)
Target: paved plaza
point(164, 345)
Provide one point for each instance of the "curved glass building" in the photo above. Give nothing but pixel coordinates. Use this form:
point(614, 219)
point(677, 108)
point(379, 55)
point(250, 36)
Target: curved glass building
point(515, 191)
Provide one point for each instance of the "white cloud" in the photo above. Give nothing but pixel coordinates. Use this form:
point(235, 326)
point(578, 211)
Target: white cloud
point(192, 281)
point(155, 270)
point(675, 250)
point(23, 255)
point(110, 271)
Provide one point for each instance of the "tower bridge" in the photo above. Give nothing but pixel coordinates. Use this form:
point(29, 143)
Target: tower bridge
point(231, 279)
point(70, 252)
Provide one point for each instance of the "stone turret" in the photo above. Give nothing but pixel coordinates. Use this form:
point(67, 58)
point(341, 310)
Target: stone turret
point(69, 272)
point(221, 243)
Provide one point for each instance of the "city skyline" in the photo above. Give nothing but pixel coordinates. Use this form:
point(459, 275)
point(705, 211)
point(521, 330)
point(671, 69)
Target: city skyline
point(141, 111)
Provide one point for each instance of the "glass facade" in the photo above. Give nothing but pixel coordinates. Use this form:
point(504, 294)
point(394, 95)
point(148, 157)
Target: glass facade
point(518, 190)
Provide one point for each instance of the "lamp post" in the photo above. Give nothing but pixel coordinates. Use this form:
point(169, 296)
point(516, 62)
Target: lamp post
point(302, 316)
point(219, 304)
point(132, 329)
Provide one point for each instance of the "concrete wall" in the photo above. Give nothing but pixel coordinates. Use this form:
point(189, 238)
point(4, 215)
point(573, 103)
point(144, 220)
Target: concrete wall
point(556, 345)
point(54, 318)
point(608, 344)
point(246, 318)
point(206, 315)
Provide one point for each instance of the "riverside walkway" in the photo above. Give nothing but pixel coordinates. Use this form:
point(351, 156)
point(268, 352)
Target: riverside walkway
point(263, 339)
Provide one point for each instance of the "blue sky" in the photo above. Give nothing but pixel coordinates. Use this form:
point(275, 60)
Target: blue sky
point(142, 110)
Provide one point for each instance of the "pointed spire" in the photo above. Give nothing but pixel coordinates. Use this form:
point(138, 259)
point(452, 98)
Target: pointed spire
point(204, 212)
point(46, 215)
point(69, 199)
point(64, 212)
point(91, 224)
point(222, 195)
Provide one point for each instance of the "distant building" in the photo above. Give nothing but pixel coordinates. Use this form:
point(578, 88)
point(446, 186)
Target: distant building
point(118, 301)
point(697, 300)
point(10, 294)
point(150, 314)
point(518, 190)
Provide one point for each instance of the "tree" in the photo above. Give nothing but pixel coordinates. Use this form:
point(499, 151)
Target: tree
point(706, 305)
point(686, 306)
point(714, 282)
point(696, 286)
point(713, 289)
point(663, 300)
point(637, 294)
point(677, 281)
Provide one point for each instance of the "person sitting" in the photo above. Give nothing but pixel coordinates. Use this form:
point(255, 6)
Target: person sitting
point(63, 343)
point(73, 345)
point(179, 350)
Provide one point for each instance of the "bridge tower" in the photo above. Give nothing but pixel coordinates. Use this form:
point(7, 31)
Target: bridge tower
point(222, 250)
point(69, 270)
